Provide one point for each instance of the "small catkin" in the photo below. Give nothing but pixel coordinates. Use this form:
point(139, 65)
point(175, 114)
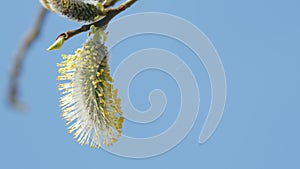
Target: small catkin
point(79, 10)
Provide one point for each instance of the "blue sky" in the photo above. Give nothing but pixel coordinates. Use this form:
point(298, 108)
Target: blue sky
point(258, 44)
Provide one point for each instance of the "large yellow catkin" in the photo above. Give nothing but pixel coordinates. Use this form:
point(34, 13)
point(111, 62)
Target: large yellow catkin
point(89, 102)
point(79, 10)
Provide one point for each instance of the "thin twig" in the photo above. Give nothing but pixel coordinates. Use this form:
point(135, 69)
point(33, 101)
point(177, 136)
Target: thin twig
point(20, 56)
point(110, 13)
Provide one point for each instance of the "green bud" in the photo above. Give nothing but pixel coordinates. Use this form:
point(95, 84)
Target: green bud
point(57, 44)
point(99, 34)
point(101, 7)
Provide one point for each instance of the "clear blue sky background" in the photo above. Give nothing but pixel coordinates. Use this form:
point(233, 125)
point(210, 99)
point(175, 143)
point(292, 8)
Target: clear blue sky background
point(258, 42)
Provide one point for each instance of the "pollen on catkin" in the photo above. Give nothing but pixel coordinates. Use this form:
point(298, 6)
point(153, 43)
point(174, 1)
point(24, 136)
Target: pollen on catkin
point(89, 102)
point(79, 10)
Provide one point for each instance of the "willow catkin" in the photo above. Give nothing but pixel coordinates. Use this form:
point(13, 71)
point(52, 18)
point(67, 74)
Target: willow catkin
point(89, 103)
point(79, 10)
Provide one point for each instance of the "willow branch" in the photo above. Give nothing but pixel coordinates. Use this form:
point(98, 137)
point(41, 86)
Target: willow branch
point(35, 31)
point(110, 14)
point(20, 56)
